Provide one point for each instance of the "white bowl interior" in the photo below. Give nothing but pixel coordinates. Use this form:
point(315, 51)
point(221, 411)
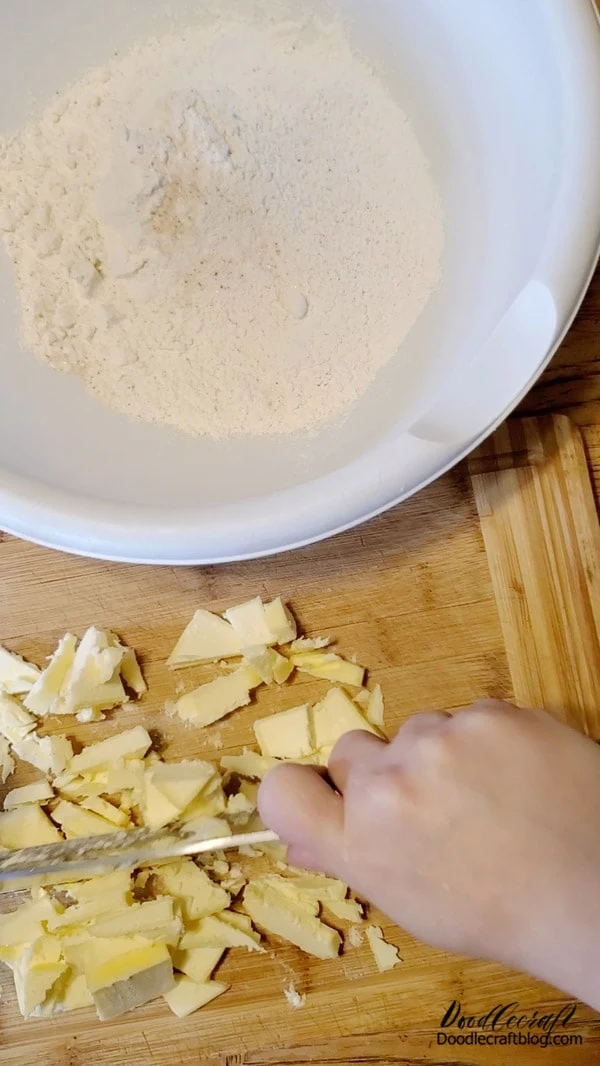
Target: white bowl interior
point(461, 70)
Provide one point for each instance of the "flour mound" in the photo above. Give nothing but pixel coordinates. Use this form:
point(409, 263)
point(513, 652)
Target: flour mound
point(228, 232)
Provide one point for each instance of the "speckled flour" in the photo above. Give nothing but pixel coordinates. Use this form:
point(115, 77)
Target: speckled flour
point(229, 231)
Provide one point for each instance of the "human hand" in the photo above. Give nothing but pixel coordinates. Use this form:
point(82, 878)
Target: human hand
point(477, 832)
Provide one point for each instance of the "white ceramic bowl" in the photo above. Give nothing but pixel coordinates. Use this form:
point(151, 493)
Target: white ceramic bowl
point(506, 100)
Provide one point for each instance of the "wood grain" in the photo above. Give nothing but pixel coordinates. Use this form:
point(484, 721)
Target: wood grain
point(412, 595)
point(542, 538)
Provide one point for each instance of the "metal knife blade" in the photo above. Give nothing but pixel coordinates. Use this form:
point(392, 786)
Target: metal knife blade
point(85, 856)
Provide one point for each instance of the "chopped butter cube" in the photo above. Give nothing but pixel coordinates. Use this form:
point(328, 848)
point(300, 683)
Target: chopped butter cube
point(248, 764)
point(385, 955)
point(133, 743)
point(211, 932)
point(37, 968)
point(182, 781)
point(197, 963)
point(69, 993)
point(280, 621)
point(208, 638)
point(81, 914)
point(213, 701)
point(107, 811)
point(39, 792)
point(24, 926)
point(124, 981)
point(119, 881)
point(154, 919)
point(335, 716)
point(328, 665)
point(48, 754)
point(15, 722)
point(77, 822)
point(130, 669)
point(197, 895)
point(7, 763)
point(276, 914)
point(287, 735)
point(188, 996)
point(27, 826)
point(44, 696)
point(375, 709)
point(93, 679)
point(16, 675)
point(250, 623)
point(268, 663)
point(348, 910)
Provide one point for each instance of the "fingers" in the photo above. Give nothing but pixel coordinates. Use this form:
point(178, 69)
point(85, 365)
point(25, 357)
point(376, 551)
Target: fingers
point(420, 724)
point(299, 804)
point(353, 750)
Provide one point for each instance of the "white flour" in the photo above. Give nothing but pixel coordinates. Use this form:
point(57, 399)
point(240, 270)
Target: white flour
point(230, 231)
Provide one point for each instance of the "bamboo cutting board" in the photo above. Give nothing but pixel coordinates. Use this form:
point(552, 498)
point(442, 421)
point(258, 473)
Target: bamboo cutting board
point(481, 586)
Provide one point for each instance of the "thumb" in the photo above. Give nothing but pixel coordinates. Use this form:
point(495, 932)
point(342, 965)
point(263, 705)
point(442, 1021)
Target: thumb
point(302, 808)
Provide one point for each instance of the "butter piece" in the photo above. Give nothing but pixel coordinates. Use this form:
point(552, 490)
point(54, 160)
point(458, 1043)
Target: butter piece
point(287, 735)
point(26, 825)
point(77, 822)
point(268, 663)
point(375, 708)
point(239, 808)
point(103, 885)
point(197, 895)
point(154, 920)
point(385, 955)
point(24, 926)
point(16, 723)
point(249, 764)
point(312, 886)
point(197, 963)
point(90, 910)
point(111, 961)
point(133, 743)
point(93, 679)
point(16, 675)
point(213, 701)
point(157, 810)
point(107, 811)
point(211, 932)
point(277, 914)
point(122, 996)
point(249, 620)
point(39, 792)
point(181, 782)
point(208, 638)
point(69, 993)
point(7, 763)
point(48, 754)
point(188, 996)
point(130, 667)
point(335, 716)
point(293, 997)
point(309, 644)
point(36, 970)
point(280, 621)
point(90, 714)
point(347, 910)
point(44, 696)
point(328, 665)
